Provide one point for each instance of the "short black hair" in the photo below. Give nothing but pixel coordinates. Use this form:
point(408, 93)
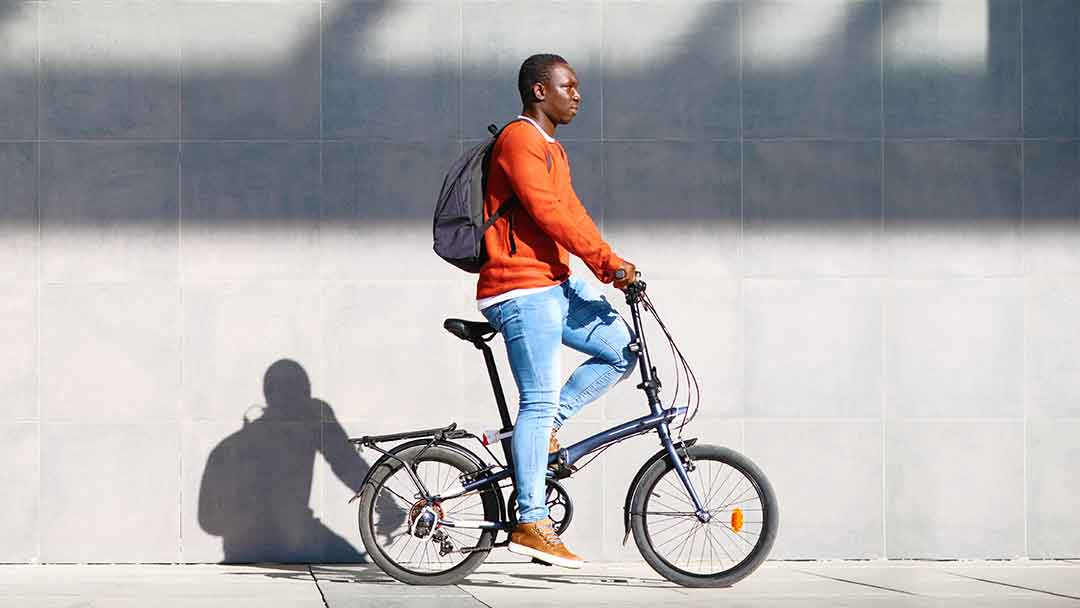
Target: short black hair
point(536, 68)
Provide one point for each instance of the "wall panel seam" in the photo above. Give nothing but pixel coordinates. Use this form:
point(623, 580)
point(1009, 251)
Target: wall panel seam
point(180, 290)
point(883, 243)
point(1024, 306)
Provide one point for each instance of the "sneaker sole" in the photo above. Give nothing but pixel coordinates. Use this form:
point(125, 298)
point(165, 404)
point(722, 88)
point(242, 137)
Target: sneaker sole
point(547, 558)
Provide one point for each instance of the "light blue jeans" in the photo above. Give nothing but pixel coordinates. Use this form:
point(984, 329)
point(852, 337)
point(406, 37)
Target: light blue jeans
point(534, 327)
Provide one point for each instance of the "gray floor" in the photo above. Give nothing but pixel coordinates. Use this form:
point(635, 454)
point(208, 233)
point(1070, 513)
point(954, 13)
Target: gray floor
point(1023, 583)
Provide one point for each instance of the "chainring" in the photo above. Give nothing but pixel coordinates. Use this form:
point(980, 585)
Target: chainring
point(560, 506)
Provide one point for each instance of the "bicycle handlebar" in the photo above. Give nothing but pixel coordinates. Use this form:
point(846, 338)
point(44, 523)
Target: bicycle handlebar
point(633, 290)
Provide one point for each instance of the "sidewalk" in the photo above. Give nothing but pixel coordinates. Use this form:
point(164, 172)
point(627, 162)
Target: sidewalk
point(908, 584)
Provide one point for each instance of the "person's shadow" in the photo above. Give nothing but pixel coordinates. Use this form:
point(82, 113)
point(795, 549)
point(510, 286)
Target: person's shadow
point(257, 482)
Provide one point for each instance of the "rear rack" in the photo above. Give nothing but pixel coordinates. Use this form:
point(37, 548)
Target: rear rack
point(447, 432)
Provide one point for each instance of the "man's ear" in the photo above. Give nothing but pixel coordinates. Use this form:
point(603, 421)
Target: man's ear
point(539, 91)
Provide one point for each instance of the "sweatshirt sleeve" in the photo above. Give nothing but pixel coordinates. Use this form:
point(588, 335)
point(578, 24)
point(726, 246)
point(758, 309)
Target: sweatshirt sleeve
point(524, 159)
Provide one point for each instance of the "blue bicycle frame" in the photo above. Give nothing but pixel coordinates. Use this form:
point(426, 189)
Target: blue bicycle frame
point(657, 420)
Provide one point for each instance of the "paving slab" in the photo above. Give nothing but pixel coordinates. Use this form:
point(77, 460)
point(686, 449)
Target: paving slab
point(160, 586)
point(1020, 582)
point(914, 584)
point(363, 586)
point(1060, 581)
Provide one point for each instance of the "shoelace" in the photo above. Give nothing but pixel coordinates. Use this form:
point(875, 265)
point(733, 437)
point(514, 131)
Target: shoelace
point(548, 535)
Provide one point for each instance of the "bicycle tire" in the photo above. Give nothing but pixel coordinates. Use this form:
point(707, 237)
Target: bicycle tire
point(648, 539)
point(490, 499)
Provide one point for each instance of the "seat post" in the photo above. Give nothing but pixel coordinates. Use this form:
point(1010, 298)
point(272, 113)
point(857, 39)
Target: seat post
point(500, 397)
point(496, 385)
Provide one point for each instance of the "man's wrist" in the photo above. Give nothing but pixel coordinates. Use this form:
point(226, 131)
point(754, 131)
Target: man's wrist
point(614, 264)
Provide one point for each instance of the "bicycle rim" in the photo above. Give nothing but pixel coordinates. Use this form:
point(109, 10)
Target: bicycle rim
point(397, 501)
point(731, 544)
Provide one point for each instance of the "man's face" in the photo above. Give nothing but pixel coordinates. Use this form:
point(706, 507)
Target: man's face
point(561, 99)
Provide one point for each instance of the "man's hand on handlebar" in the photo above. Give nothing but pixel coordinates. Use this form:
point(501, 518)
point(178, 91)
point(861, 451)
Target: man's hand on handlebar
point(625, 275)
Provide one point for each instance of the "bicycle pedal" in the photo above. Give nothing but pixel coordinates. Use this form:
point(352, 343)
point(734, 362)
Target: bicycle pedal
point(561, 471)
point(542, 563)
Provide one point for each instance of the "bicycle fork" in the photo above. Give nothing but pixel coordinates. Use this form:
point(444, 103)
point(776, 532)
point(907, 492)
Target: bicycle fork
point(650, 384)
point(701, 512)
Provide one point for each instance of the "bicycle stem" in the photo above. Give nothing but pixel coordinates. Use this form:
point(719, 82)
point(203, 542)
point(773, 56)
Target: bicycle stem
point(649, 382)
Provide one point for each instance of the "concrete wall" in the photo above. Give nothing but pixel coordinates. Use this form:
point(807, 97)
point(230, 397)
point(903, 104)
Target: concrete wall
point(860, 218)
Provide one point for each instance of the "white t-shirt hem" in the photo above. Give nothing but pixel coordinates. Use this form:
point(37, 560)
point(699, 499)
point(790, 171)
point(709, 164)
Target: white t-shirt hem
point(483, 303)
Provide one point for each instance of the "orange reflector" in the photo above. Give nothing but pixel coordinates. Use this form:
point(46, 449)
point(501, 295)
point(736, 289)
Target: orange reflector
point(736, 520)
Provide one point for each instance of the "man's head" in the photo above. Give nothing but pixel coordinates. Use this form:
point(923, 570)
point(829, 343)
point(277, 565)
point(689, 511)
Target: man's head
point(548, 83)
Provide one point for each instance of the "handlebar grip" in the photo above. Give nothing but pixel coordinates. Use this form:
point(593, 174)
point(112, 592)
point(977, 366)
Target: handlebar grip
point(620, 274)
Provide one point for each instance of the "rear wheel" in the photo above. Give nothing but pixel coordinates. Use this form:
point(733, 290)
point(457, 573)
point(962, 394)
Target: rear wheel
point(389, 502)
point(731, 545)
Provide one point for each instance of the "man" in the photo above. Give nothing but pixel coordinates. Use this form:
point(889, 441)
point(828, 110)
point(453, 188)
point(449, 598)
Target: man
point(526, 292)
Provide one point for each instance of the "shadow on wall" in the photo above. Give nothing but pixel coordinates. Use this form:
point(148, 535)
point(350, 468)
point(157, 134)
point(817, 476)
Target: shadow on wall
point(381, 120)
point(257, 482)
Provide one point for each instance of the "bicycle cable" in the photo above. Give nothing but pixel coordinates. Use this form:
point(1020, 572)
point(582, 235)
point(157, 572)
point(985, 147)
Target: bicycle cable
point(693, 394)
point(693, 387)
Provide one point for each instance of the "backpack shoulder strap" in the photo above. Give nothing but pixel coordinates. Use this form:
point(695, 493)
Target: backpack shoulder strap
point(507, 208)
point(503, 210)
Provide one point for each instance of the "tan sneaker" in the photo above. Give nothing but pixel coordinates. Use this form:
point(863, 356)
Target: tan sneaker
point(538, 540)
point(553, 443)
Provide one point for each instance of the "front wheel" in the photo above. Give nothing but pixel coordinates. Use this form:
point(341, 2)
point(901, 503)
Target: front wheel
point(737, 539)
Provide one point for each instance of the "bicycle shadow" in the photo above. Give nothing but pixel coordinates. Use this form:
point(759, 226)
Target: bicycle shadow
point(489, 577)
point(519, 580)
point(257, 482)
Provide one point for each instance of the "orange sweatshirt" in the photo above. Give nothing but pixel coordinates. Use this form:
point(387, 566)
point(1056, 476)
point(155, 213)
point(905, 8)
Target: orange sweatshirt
point(549, 223)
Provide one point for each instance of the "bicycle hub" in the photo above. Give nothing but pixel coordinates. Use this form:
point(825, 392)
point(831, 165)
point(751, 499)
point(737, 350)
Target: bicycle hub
point(423, 520)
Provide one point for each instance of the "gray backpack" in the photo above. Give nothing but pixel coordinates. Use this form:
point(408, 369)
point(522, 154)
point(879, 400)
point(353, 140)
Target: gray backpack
point(459, 214)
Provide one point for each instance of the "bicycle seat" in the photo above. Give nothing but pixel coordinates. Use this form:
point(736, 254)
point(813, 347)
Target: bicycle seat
point(468, 330)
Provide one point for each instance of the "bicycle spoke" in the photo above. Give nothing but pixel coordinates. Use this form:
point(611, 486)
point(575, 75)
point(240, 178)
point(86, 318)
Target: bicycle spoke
point(712, 480)
point(704, 545)
point(679, 492)
point(731, 533)
point(693, 539)
point(674, 537)
point(401, 551)
point(721, 486)
point(466, 514)
point(742, 501)
point(722, 547)
point(463, 505)
point(730, 492)
point(404, 500)
point(712, 551)
point(415, 549)
point(737, 551)
point(671, 527)
point(662, 504)
point(423, 554)
point(682, 546)
point(741, 497)
point(443, 483)
point(457, 533)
